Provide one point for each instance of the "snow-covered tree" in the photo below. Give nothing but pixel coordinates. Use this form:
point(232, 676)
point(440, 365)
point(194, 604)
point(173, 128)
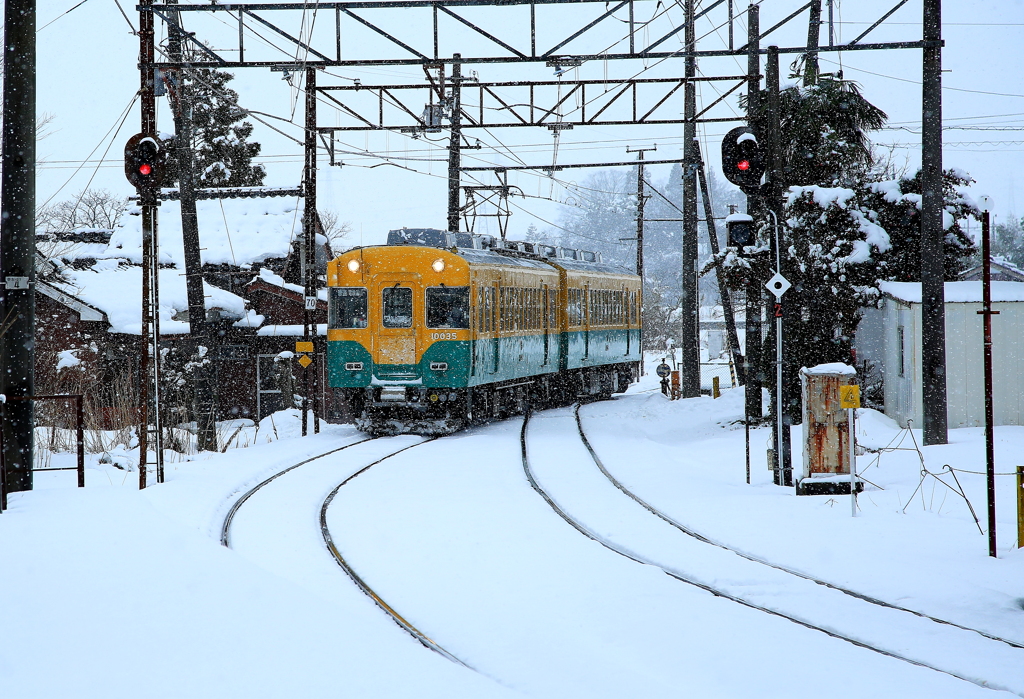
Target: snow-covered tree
point(605, 212)
point(824, 133)
point(897, 205)
point(220, 136)
point(831, 254)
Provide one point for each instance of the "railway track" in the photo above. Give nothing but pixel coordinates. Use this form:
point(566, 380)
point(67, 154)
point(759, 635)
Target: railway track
point(689, 531)
point(720, 590)
point(336, 555)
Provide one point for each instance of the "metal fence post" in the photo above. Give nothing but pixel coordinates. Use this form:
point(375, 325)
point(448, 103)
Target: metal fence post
point(80, 437)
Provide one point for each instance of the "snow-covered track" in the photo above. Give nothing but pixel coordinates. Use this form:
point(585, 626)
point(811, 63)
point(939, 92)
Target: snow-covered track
point(762, 561)
point(718, 590)
point(225, 536)
point(362, 584)
point(225, 530)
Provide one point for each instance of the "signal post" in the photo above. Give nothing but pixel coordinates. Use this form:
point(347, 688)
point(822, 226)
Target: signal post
point(144, 164)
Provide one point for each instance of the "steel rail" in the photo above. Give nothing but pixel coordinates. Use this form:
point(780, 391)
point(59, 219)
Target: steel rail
point(756, 559)
point(225, 530)
point(405, 624)
point(717, 592)
point(360, 583)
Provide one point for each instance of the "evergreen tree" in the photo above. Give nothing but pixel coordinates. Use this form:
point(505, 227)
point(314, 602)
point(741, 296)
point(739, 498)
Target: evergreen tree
point(824, 133)
point(897, 205)
point(220, 136)
point(605, 212)
point(831, 256)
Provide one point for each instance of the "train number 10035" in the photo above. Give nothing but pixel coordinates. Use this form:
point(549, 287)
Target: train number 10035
point(443, 336)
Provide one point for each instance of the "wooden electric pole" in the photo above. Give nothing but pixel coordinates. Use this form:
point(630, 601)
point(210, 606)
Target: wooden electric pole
point(640, 199)
point(933, 273)
point(206, 427)
point(690, 342)
point(17, 243)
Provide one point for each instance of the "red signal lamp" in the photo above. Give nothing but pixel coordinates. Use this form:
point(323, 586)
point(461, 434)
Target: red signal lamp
point(743, 165)
point(145, 169)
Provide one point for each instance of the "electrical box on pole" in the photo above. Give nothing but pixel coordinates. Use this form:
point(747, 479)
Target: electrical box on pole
point(742, 162)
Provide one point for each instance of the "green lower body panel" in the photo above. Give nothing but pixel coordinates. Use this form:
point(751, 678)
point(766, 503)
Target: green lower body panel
point(590, 348)
point(461, 364)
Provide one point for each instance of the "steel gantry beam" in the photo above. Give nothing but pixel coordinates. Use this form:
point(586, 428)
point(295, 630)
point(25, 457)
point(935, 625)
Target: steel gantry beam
point(521, 103)
point(437, 23)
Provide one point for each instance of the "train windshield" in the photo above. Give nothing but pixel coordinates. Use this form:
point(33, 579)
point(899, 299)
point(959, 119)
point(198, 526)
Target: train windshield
point(397, 307)
point(448, 307)
point(347, 308)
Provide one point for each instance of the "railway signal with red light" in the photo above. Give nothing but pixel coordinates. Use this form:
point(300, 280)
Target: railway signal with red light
point(144, 162)
point(741, 158)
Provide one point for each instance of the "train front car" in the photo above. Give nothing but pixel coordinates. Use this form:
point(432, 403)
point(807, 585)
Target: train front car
point(398, 338)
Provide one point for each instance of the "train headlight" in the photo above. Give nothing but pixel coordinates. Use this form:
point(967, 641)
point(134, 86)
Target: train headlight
point(438, 265)
point(353, 265)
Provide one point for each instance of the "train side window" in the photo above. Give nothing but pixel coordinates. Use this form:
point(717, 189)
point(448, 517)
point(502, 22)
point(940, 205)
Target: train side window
point(346, 307)
point(448, 307)
point(397, 307)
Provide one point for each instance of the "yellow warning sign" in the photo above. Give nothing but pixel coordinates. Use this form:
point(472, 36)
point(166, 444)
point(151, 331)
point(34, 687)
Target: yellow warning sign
point(303, 346)
point(849, 397)
point(305, 361)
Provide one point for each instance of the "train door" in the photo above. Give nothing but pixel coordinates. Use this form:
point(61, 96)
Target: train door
point(396, 332)
point(624, 315)
point(497, 320)
point(586, 321)
point(545, 325)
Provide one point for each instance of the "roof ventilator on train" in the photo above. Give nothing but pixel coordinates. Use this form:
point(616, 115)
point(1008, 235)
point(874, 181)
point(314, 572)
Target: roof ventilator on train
point(436, 238)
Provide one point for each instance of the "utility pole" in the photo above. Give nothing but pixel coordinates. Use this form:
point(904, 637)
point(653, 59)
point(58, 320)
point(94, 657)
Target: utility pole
point(933, 297)
point(987, 313)
point(454, 143)
point(309, 234)
point(149, 222)
point(206, 430)
point(690, 344)
point(773, 203)
point(17, 251)
point(813, 37)
point(723, 288)
point(752, 317)
point(640, 199)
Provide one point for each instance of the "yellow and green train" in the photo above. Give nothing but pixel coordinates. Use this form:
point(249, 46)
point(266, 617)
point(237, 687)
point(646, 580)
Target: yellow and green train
point(437, 330)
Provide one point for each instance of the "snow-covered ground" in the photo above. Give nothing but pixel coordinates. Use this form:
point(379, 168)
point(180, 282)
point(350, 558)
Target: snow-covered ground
point(112, 592)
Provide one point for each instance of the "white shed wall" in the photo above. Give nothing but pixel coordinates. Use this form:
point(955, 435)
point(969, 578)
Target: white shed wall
point(964, 364)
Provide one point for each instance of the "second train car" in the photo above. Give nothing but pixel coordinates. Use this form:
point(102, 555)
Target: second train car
point(437, 330)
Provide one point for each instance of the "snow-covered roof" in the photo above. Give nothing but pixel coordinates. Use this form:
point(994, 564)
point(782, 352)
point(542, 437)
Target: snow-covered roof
point(956, 292)
point(117, 292)
point(288, 330)
point(277, 280)
point(999, 264)
point(232, 231)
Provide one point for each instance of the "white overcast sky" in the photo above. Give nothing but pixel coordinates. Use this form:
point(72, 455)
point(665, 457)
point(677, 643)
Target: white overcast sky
point(88, 77)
